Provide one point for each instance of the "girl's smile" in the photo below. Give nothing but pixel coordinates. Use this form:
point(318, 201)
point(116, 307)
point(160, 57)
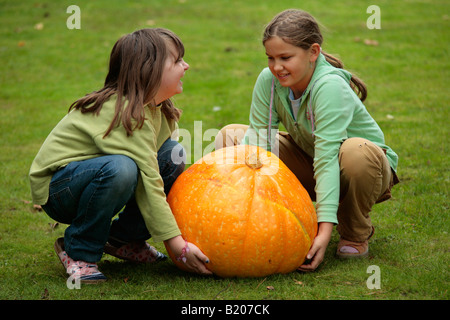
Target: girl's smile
point(173, 71)
point(290, 64)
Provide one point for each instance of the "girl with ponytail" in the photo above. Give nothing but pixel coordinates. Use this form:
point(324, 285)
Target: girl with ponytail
point(332, 144)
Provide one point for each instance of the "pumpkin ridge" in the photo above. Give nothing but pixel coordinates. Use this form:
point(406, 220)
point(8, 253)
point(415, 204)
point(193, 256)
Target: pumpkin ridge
point(310, 213)
point(303, 228)
point(284, 239)
point(301, 225)
point(247, 217)
point(290, 212)
point(275, 183)
point(282, 221)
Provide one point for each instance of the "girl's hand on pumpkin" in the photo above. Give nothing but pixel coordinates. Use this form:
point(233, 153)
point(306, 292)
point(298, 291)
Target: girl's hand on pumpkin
point(194, 260)
point(318, 248)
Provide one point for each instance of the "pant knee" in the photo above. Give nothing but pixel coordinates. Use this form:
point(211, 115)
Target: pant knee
point(364, 169)
point(359, 157)
point(122, 171)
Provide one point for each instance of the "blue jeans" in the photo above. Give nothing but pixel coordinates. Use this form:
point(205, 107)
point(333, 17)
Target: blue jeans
point(88, 194)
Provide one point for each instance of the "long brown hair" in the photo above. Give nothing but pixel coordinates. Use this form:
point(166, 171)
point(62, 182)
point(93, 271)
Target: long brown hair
point(135, 69)
point(300, 29)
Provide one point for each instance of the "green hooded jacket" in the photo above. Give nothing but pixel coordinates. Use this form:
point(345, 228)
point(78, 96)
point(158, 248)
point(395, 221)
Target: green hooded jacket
point(330, 112)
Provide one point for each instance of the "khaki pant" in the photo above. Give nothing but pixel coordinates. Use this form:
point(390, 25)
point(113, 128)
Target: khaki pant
point(366, 177)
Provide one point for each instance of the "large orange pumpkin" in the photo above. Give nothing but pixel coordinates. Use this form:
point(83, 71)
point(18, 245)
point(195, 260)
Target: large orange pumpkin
point(246, 211)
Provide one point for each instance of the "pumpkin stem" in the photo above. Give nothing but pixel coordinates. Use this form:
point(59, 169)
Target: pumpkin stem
point(253, 161)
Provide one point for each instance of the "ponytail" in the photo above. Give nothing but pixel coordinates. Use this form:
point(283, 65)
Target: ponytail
point(355, 83)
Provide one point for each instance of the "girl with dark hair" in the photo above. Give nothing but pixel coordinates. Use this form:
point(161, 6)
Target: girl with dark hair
point(113, 152)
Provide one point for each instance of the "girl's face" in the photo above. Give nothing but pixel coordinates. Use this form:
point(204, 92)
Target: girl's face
point(291, 65)
point(172, 73)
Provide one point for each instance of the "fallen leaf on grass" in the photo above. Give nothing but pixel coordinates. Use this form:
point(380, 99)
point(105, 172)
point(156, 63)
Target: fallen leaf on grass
point(36, 207)
point(298, 282)
point(369, 42)
point(39, 26)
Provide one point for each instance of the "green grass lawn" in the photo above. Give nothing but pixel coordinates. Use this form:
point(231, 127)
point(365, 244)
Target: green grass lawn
point(45, 67)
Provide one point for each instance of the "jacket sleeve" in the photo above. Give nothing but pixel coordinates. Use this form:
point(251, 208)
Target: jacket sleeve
point(333, 104)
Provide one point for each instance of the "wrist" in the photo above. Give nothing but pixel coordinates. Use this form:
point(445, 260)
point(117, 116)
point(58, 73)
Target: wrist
point(325, 230)
point(179, 247)
point(184, 251)
point(326, 227)
point(175, 241)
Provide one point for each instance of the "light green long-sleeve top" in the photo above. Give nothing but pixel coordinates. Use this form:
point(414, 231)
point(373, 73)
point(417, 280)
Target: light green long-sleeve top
point(79, 136)
point(330, 112)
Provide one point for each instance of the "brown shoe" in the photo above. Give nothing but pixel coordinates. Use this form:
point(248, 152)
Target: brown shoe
point(351, 249)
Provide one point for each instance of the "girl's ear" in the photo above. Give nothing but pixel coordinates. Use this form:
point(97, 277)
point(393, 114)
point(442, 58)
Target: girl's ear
point(314, 52)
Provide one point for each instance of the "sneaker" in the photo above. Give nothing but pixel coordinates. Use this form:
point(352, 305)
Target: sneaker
point(86, 272)
point(137, 251)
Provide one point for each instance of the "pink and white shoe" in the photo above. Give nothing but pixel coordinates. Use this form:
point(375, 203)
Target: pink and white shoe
point(137, 251)
point(86, 272)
